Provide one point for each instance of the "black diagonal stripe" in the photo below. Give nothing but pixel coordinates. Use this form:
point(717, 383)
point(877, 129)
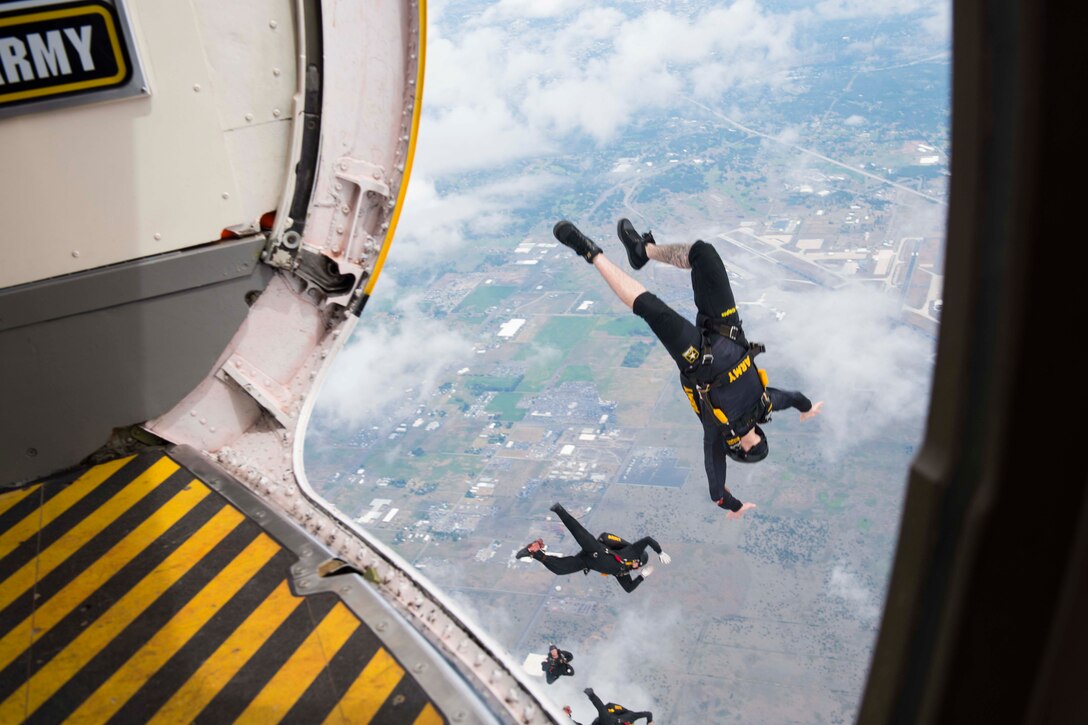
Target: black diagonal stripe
point(24, 508)
point(78, 511)
point(87, 554)
point(327, 690)
point(56, 528)
point(48, 488)
point(159, 688)
point(27, 506)
point(403, 704)
point(322, 698)
point(136, 634)
point(96, 603)
point(413, 716)
point(266, 661)
point(68, 518)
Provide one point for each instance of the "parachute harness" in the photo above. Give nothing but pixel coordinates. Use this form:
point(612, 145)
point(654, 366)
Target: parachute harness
point(704, 380)
point(613, 542)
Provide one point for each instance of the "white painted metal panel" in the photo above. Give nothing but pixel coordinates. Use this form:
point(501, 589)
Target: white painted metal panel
point(100, 184)
point(252, 57)
point(259, 156)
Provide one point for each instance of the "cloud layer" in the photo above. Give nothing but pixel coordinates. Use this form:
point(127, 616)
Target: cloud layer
point(388, 361)
point(523, 82)
point(520, 78)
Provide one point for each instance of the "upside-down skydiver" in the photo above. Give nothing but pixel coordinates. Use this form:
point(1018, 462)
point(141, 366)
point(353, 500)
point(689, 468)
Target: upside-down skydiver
point(608, 554)
point(717, 371)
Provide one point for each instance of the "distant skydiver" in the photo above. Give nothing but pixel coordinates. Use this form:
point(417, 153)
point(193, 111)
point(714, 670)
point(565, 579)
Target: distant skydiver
point(613, 714)
point(557, 665)
point(607, 554)
point(726, 390)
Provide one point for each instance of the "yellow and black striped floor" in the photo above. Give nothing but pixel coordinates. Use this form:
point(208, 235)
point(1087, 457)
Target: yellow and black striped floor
point(134, 592)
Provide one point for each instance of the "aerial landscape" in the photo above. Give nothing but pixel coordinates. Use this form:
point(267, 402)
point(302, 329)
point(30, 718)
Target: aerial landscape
point(494, 374)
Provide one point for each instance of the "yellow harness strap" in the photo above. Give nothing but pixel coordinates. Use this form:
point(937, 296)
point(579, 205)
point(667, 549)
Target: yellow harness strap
point(691, 399)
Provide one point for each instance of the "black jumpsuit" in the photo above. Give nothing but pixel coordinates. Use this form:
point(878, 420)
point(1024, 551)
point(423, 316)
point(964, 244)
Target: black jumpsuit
point(682, 339)
point(557, 667)
point(595, 556)
point(613, 714)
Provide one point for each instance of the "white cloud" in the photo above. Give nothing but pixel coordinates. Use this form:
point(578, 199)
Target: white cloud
point(464, 72)
point(434, 227)
point(506, 9)
point(790, 136)
point(592, 72)
point(482, 135)
point(844, 584)
point(591, 26)
point(654, 58)
point(872, 372)
point(384, 358)
point(938, 25)
point(499, 90)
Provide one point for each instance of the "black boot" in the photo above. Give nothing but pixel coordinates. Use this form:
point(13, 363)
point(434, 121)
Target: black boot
point(571, 237)
point(634, 242)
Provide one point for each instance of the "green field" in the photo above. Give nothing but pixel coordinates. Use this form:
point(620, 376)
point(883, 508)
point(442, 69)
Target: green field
point(505, 404)
point(577, 372)
point(537, 377)
point(500, 383)
point(626, 327)
point(484, 296)
point(556, 338)
point(565, 332)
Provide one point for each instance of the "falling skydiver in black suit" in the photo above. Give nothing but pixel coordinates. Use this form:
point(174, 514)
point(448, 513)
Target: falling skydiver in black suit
point(557, 665)
point(607, 554)
point(613, 714)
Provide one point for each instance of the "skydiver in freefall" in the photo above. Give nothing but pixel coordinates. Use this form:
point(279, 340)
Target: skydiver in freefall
point(613, 714)
point(557, 665)
point(717, 371)
point(608, 554)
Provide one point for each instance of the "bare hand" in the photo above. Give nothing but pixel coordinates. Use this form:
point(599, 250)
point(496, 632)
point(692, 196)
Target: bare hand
point(813, 411)
point(739, 512)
